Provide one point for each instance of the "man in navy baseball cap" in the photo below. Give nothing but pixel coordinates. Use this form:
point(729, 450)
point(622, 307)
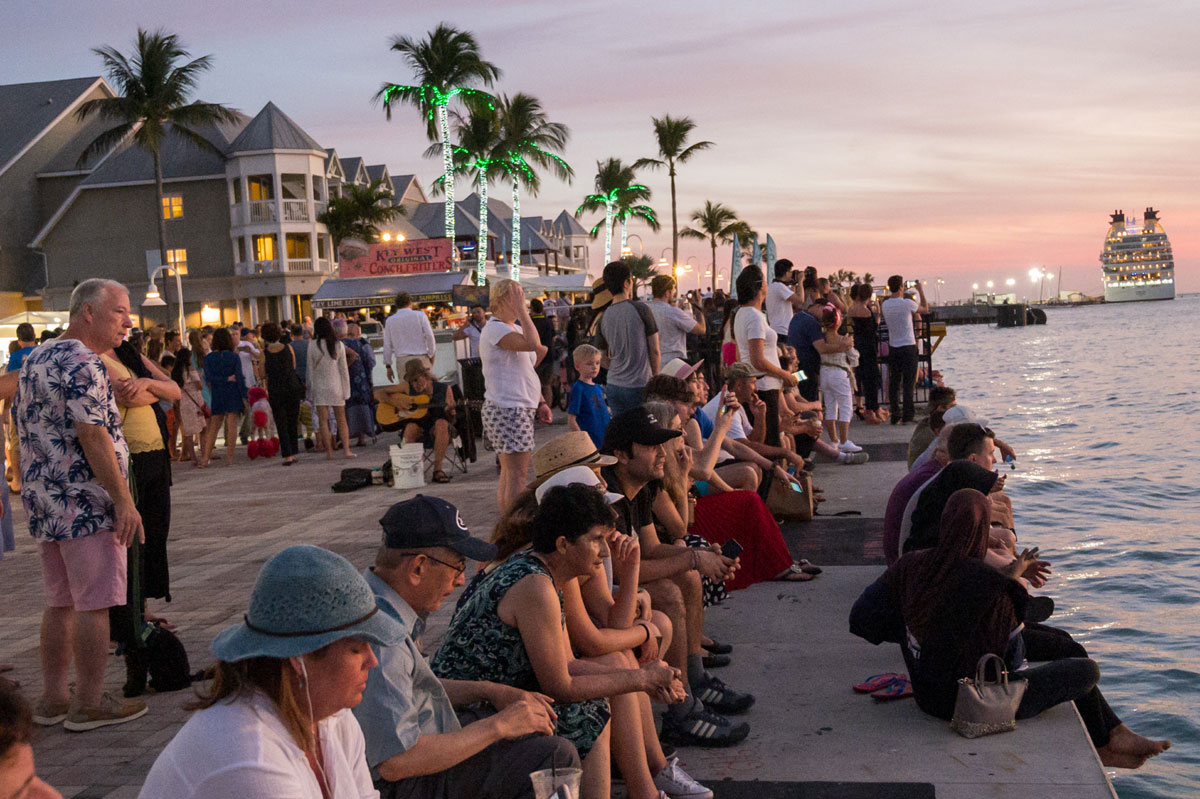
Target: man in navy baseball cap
point(428, 522)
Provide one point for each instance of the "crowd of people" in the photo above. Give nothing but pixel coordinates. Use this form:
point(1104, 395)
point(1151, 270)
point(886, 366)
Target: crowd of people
point(611, 539)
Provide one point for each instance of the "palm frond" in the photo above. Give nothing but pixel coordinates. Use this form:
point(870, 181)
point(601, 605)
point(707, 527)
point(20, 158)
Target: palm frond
point(104, 143)
point(699, 146)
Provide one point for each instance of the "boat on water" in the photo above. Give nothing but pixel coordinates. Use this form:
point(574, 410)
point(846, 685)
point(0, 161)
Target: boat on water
point(1137, 259)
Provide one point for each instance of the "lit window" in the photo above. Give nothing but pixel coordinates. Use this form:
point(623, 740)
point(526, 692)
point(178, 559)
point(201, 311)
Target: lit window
point(172, 206)
point(178, 260)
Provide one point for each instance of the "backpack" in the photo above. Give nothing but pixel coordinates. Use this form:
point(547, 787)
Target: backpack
point(163, 658)
point(352, 480)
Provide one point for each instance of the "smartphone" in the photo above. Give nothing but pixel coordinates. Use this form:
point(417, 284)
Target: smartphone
point(724, 409)
point(796, 487)
point(912, 284)
point(731, 548)
point(800, 375)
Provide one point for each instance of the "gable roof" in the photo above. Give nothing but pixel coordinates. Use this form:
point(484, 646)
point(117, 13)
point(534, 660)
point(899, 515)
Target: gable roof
point(180, 158)
point(354, 170)
point(566, 225)
point(271, 129)
point(402, 183)
point(430, 219)
point(379, 172)
point(28, 110)
point(333, 165)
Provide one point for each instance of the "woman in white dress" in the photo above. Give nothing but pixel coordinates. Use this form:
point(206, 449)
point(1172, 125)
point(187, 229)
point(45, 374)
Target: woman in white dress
point(329, 383)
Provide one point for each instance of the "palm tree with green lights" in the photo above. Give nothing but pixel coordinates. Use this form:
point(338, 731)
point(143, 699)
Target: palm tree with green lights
point(446, 63)
point(672, 135)
point(359, 212)
point(153, 102)
point(479, 153)
point(718, 224)
point(529, 139)
point(630, 205)
point(613, 179)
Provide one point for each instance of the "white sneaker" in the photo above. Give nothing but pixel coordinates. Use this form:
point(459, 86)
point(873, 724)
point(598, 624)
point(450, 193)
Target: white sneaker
point(677, 784)
point(849, 446)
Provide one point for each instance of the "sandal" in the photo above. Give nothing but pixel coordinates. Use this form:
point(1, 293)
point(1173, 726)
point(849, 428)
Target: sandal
point(808, 567)
point(899, 688)
point(717, 648)
point(793, 574)
point(877, 682)
point(440, 477)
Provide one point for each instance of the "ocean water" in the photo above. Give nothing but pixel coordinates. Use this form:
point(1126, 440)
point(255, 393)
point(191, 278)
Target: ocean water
point(1103, 407)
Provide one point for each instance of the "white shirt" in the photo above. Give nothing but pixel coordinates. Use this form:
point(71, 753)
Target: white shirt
point(246, 353)
point(898, 313)
point(751, 324)
point(241, 749)
point(673, 326)
point(508, 376)
point(407, 332)
point(779, 306)
point(472, 333)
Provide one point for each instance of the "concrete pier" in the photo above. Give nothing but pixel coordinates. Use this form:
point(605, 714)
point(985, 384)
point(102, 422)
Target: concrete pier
point(812, 736)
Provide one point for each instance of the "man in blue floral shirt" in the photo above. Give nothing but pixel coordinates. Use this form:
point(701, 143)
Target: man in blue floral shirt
point(74, 468)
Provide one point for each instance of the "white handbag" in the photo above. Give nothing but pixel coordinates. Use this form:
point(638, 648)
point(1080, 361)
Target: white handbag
point(986, 708)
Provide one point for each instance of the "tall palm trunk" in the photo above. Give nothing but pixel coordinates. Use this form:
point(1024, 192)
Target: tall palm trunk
point(481, 245)
point(674, 224)
point(713, 241)
point(515, 262)
point(624, 235)
point(448, 179)
point(608, 226)
point(162, 229)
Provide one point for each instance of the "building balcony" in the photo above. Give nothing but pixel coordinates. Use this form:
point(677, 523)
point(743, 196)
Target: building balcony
point(283, 266)
point(296, 211)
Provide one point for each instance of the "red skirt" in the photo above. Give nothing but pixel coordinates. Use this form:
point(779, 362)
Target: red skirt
point(744, 516)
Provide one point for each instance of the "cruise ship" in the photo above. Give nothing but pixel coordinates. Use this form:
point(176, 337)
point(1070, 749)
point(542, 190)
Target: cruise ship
point(1137, 260)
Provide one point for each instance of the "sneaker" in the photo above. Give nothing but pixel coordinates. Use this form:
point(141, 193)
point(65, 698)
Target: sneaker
point(716, 661)
point(47, 713)
point(849, 446)
point(720, 697)
point(702, 727)
point(111, 711)
point(850, 458)
point(678, 784)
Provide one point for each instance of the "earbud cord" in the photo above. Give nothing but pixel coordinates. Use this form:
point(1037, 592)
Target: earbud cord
point(316, 732)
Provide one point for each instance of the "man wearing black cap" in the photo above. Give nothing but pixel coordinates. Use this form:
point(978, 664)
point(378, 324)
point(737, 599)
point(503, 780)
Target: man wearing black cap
point(672, 576)
point(415, 743)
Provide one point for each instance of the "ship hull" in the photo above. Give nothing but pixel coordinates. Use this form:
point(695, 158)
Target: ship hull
point(1139, 293)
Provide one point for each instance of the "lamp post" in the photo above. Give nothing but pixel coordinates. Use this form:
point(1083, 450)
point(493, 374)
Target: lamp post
point(154, 299)
point(641, 251)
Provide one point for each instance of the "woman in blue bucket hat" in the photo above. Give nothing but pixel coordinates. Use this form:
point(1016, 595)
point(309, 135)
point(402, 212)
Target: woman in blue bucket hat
point(276, 718)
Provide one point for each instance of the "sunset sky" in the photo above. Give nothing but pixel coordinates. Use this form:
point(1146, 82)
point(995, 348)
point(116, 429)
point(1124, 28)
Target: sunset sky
point(961, 140)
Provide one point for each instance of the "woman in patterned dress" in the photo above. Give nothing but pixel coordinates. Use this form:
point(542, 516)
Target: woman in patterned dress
point(509, 628)
point(191, 404)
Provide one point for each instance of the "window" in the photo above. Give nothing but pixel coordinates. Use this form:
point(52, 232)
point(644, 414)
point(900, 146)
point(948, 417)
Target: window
point(265, 247)
point(298, 245)
point(236, 186)
point(172, 206)
point(260, 187)
point(292, 186)
point(178, 260)
point(241, 250)
point(321, 248)
point(318, 184)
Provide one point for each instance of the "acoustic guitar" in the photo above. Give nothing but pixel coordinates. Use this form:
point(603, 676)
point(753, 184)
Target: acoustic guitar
point(390, 418)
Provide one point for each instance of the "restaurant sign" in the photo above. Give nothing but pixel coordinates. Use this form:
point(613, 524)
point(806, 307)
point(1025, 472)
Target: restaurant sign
point(359, 259)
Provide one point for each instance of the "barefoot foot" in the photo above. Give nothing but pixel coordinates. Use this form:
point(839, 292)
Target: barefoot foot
point(1127, 749)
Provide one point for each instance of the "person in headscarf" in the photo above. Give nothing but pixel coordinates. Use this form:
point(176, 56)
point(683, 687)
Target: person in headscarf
point(953, 609)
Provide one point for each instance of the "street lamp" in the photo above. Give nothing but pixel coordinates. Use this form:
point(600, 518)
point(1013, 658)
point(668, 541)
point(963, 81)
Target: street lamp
point(154, 299)
point(641, 251)
point(1012, 281)
point(991, 283)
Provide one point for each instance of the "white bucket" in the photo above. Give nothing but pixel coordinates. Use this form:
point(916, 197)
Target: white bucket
point(408, 467)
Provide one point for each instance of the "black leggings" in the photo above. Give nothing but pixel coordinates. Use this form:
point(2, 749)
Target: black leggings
point(287, 422)
point(868, 376)
point(1069, 675)
point(771, 398)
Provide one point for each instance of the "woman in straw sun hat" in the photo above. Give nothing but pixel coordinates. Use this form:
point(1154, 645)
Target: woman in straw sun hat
point(276, 719)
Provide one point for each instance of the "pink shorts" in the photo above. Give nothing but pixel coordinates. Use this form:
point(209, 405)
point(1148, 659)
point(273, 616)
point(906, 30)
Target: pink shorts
point(84, 573)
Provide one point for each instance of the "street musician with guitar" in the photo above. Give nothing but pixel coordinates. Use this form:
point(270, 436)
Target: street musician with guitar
point(422, 408)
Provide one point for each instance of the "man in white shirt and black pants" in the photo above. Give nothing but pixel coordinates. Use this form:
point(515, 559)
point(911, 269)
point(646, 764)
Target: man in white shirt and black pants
point(782, 298)
point(407, 334)
point(898, 313)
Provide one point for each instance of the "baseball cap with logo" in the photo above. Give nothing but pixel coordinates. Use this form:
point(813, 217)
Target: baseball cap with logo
point(423, 522)
point(636, 426)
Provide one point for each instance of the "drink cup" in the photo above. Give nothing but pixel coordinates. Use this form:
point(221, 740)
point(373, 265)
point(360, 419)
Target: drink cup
point(551, 781)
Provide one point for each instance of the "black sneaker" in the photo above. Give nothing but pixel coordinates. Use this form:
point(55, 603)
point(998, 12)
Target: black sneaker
point(717, 648)
point(720, 697)
point(716, 661)
point(702, 727)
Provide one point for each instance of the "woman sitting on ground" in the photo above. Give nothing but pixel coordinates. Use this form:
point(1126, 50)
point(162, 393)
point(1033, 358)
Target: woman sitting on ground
point(955, 609)
point(509, 628)
point(719, 517)
point(276, 718)
point(607, 614)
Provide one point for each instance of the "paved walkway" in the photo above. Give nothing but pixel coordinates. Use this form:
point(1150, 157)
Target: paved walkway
point(811, 735)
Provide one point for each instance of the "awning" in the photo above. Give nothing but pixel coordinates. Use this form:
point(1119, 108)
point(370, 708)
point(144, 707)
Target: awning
point(368, 292)
point(576, 282)
point(36, 318)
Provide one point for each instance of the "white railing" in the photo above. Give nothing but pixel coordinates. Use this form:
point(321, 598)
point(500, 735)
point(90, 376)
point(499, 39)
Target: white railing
point(295, 211)
point(299, 264)
point(262, 211)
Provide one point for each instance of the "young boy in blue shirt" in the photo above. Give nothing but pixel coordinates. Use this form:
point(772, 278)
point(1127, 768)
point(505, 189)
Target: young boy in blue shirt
point(587, 409)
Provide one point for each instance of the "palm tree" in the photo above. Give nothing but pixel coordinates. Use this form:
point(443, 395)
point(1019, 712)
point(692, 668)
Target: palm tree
point(613, 179)
point(718, 223)
point(628, 207)
point(359, 212)
point(672, 134)
point(529, 140)
point(479, 152)
point(153, 103)
point(445, 64)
